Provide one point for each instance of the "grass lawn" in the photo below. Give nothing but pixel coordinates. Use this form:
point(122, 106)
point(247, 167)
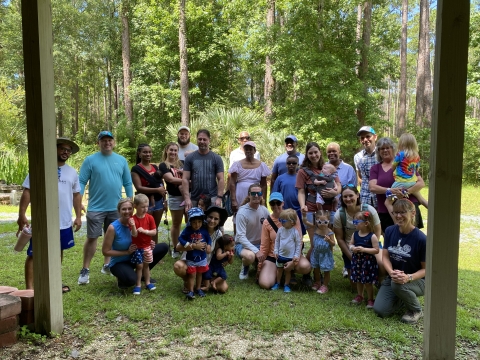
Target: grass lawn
point(103, 322)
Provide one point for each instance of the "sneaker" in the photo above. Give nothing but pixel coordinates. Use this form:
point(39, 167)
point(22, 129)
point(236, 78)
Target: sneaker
point(200, 293)
point(275, 287)
point(106, 270)
point(316, 286)
point(84, 277)
point(370, 304)
point(412, 317)
point(175, 254)
point(307, 280)
point(323, 289)
point(293, 280)
point(151, 287)
point(136, 290)
point(286, 289)
point(190, 295)
point(357, 300)
point(345, 272)
point(243, 273)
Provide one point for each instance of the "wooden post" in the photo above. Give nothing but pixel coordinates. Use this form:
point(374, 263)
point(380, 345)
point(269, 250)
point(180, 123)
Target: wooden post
point(448, 125)
point(41, 133)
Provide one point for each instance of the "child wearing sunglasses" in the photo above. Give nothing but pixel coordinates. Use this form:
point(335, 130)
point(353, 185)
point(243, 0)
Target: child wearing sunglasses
point(288, 247)
point(322, 254)
point(364, 246)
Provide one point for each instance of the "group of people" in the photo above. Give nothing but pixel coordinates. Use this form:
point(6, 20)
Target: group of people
point(308, 195)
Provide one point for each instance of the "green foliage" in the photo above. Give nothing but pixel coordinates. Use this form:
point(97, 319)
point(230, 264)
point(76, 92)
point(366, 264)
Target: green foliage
point(471, 152)
point(13, 167)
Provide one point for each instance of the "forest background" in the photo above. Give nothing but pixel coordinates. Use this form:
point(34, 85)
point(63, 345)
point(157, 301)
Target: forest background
point(317, 68)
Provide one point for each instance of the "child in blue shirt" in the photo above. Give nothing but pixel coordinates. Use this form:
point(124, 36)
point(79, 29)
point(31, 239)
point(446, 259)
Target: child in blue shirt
point(197, 242)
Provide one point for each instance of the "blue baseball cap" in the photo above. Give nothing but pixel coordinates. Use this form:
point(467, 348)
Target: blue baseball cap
point(291, 137)
point(368, 129)
point(104, 133)
point(195, 212)
point(276, 196)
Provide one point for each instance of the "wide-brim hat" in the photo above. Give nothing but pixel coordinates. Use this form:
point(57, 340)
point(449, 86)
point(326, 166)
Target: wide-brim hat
point(67, 141)
point(221, 211)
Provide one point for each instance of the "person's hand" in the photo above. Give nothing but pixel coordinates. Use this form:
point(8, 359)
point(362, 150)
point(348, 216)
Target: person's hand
point(162, 191)
point(399, 277)
point(132, 248)
point(304, 209)
point(188, 204)
point(22, 221)
point(218, 201)
point(200, 246)
point(397, 192)
point(234, 206)
point(77, 224)
point(141, 230)
point(152, 244)
point(131, 222)
point(328, 193)
point(260, 256)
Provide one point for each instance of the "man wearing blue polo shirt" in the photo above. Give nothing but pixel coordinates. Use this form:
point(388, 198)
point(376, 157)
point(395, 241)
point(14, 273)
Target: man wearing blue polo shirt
point(106, 173)
point(280, 163)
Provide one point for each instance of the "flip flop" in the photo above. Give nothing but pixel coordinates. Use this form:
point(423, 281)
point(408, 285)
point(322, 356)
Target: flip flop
point(65, 288)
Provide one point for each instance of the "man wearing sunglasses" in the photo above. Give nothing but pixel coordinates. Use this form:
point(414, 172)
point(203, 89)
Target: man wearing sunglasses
point(250, 218)
point(68, 197)
point(238, 154)
point(364, 160)
point(280, 163)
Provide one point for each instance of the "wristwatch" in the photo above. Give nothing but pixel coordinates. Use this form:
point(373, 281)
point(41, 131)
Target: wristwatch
point(410, 278)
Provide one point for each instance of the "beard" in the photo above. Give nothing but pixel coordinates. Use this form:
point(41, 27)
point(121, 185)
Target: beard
point(182, 142)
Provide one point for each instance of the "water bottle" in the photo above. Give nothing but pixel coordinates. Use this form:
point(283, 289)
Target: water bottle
point(23, 238)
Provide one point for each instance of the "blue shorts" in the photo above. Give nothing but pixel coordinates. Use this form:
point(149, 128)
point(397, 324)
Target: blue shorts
point(66, 240)
point(239, 248)
point(158, 206)
point(281, 261)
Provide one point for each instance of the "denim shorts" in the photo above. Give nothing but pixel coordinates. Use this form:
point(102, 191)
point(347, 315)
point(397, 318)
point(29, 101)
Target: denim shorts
point(239, 248)
point(66, 240)
point(174, 202)
point(158, 206)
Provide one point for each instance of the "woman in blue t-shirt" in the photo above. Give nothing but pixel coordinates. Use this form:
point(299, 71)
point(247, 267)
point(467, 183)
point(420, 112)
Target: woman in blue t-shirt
point(404, 255)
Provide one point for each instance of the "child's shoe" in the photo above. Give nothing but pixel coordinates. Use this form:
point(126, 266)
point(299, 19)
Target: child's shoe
point(136, 290)
point(275, 287)
point(357, 300)
point(370, 303)
point(316, 286)
point(200, 293)
point(151, 287)
point(286, 289)
point(190, 295)
point(323, 289)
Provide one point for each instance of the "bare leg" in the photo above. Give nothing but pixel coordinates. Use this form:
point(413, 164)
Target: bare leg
point(268, 275)
point(389, 206)
point(222, 286)
point(288, 274)
point(360, 288)
point(139, 268)
point(89, 250)
point(177, 217)
point(316, 275)
point(420, 199)
point(326, 278)
point(146, 273)
point(206, 285)
point(199, 281)
point(248, 257)
point(279, 274)
point(369, 288)
point(303, 266)
point(190, 281)
point(29, 272)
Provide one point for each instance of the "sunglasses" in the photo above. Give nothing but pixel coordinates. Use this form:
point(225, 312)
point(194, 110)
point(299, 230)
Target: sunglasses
point(256, 193)
point(275, 203)
point(243, 138)
point(291, 163)
point(349, 186)
point(322, 222)
point(356, 222)
point(283, 221)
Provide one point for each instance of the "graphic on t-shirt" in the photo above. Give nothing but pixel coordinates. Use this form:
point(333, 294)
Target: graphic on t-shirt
point(400, 252)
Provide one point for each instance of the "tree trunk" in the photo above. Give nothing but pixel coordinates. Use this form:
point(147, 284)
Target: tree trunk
point(77, 101)
point(182, 41)
point(363, 68)
point(109, 91)
point(358, 34)
point(423, 108)
point(269, 80)
point(402, 106)
point(127, 75)
point(115, 103)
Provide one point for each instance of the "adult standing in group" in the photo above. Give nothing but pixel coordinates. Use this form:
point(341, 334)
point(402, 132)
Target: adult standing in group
point(106, 172)
point(364, 160)
point(205, 169)
point(245, 172)
point(268, 273)
point(117, 246)
point(239, 153)
point(68, 197)
point(147, 181)
point(250, 218)
point(381, 179)
point(185, 146)
point(343, 224)
point(280, 163)
point(404, 256)
point(215, 218)
point(171, 167)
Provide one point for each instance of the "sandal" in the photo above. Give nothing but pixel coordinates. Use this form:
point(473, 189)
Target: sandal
point(65, 288)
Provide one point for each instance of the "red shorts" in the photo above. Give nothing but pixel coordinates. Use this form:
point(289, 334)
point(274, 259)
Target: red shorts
point(197, 269)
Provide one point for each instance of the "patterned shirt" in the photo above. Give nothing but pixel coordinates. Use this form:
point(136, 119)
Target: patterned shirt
point(405, 168)
point(364, 165)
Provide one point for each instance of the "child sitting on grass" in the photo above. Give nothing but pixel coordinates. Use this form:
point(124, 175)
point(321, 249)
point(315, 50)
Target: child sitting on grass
point(197, 242)
point(222, 255)
point(143, 228)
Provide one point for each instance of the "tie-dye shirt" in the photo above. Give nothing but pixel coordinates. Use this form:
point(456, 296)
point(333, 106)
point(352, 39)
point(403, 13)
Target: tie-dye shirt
point(405, 169)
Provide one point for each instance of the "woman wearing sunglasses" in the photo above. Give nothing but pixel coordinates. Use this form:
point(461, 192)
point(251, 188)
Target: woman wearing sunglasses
point(268, 268)
point(343, 226)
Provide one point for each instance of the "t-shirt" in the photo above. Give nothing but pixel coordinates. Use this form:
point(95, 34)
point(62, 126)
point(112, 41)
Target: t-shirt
point(303, 180)
point(121, 242)
point(347, 175)
point(269, 235)
point(203, 173)
point(106, 175)
point(68, 184)
point(285, 184)
point(144, 182)
point(191, 236)
point(215, 236)
point(280, 163)
point(405, 168)
point(143, 241)
point(407, 251)
point(172, 189)
point(349, 227)
point(249, 226)
point(237, 155)
point(288, 243)
point(187, 148)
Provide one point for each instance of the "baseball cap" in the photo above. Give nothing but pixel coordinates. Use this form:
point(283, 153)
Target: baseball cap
point(194, 213)
point(183, 128)
point(276, 196)
point(67, 141)
point(250, 143)
point(104, 133)
point(366, 129)
point(291, 137)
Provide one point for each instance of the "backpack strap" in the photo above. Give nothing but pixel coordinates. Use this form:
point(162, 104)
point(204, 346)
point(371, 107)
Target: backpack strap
point(343, 219)
point(272, 224)
point(310, 197)
point(152, 182)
